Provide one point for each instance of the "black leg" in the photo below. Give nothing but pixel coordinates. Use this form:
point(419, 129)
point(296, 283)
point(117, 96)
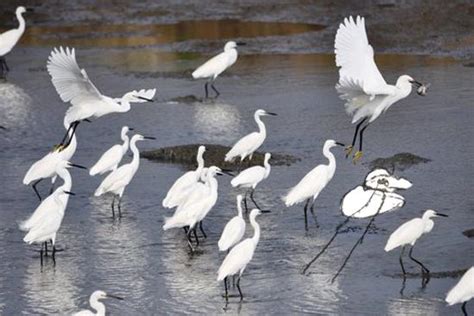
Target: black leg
point(6, 65)
point(205, 89)
point(41, 255)
point(423, 268)
point(190, 244)
point(463, 308)
point(238, 288)
point(196, 236)
point(66, 136)
point(76, 124)
point(401, 262)
point(355, 136)
point(2, 68)
point(245, 202)
point(215, 90)
point(185, 229)
point(226, 291)
point(35, 189)
point(202, 229)
point(233, 280)
point(113, 210)
point(119, 206)
point(312, 213)
point(360, 136)
point(306, 214)
point(253, 200)
point(46, 248)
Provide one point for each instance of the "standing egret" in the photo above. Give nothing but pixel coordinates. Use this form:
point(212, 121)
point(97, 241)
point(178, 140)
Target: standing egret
point(408, 233)
point(216, 65)
point(361, 84)
point(248, 144)
point(251, 177)
point(95, 304)
point(44, 223)
point(196, 207)
point(117, 180)
point(110, 160)
point(178, 190)
point(463, 291)
point(74, 86)
point(313, 182)
point(234, 229)
point(237, 259)
point(9, 39)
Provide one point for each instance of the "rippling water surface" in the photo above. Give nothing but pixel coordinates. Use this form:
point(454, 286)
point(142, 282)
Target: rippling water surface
point(154, 270)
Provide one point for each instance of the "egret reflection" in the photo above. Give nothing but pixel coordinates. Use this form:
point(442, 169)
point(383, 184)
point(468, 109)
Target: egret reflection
point(217, 122)
point(14, 104)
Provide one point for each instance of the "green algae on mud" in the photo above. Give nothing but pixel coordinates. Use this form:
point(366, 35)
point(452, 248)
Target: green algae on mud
point(400, 161)
point(186, 155)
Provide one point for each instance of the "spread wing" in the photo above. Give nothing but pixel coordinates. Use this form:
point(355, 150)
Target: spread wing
point(72, 83)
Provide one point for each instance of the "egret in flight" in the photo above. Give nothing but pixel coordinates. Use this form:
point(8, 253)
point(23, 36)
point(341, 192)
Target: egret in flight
point(117, 180)
point(313, 182)
point(95, 303)
point(73, 85)
point(9, 39)
point(248, 144)
point(234, 230)
point(239, 257)
point(408, 233)
point(216, 65)
point(110, 160)
point(251, 177)
point(463, 291)
point(361, 84)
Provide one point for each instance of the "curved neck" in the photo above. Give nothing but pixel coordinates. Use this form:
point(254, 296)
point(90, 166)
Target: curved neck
point(260, 124)
point(136, 154)
point(98, 306)
point(256, 228)
point(329, 155)
point(239, 208)
point(21, 21)
point(200, 162)
point(126, 142)
point(267, 166)
point(124, 106)
point(66, 176)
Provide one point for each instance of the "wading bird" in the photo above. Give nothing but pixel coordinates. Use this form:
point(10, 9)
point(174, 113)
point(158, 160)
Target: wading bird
point(44, 223)
point(216, 65)
point(234, 229)
point(99, 307)
point(110, 160)
point(248, 144)
point(180, 188)
point(463, 291)
point(74, 86)
point(9, 39)
point(361, 84)
point(408, 233)
point(117, 180)
point(313, 182)
point(251, 177)
point(239, 257)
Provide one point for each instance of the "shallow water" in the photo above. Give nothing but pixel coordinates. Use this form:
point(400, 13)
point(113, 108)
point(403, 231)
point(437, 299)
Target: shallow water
point(154, 270)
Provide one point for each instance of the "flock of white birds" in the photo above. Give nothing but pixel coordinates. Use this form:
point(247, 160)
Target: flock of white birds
point(195, 193)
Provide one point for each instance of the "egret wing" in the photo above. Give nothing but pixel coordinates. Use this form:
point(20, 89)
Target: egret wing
point(108, 160)
point(237, 259)
point(244, 145)
point(405, 234)
point(72, 83)
point(233, 231)
point(211, 68)
point(249, 176)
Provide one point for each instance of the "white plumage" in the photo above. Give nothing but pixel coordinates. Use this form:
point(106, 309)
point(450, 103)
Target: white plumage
point(234, 230)
point(248, 144)
point(180, 189)
point(95, 303)
point(110, 159)
point(463, 291)
point(251, 177)
point(239, 257)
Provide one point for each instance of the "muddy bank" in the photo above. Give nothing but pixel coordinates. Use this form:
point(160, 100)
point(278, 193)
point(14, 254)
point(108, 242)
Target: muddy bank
point(399, 162)
point(186, 155)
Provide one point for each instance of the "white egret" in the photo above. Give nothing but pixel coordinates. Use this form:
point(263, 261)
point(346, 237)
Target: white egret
point(248, 144)
point(361, 84)
point(74, 86)
point(95, 303)
point(408, 233)
point(234, 230)
point(117, 180)
point(110, 160)
point(216, 65)
point(463, 291)
point(313, 182)
point(251, 177)
point(44, 223)
point(196, 207)
point(239, 257)
point(9, 39)
point(46, 166)
point(178, 190)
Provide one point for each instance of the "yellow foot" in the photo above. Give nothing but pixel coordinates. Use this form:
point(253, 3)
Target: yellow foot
point(58, 147)
point(357, 156)
point(348, 150)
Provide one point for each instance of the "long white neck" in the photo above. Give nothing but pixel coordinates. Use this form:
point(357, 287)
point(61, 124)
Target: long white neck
point(126, 142)
point(21, 21)
point(332, 160)
point(200, 162)
point(66, 176)
point(124, 106)
point(136, 155)
point(267, 166)
point(98, 306)
point(256, 229)
point(239, 207)
point(261, 126)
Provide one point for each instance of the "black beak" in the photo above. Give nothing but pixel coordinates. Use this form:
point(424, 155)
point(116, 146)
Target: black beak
point(271, 113)
point(146, 99)
point(29, 10)
point(149, 137)
point(69, 192)
point(131, 129)
point(265, 211)
point(340, 144)
point(442, 215)
point(241, 43)
point(115, 296)
point(228, 172)
point(416, 83)
point(77, 166)
point(219, 173)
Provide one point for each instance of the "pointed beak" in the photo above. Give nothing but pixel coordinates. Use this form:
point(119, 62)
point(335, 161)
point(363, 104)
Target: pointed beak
point(241, 43)
point(271, 113)
point(149, 137)
point(442, 215)
point(228, 172)
point(265, 211)
point(69, 192)
point(146, 99)
point(115, 296)
point(29, 10)
point(131, 129)
point(77, 166)
point(340, 144)
point(416, 83)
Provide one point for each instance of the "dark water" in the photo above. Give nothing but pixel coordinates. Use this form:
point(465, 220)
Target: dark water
point(155, 271)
